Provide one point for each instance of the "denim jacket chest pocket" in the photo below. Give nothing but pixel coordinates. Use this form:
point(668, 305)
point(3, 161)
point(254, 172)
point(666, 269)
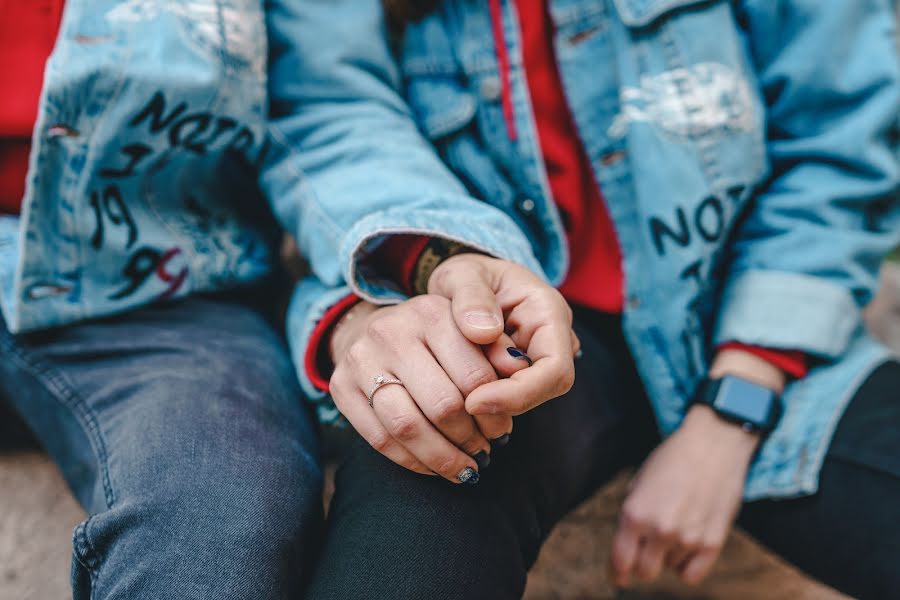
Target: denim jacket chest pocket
point(451, 115)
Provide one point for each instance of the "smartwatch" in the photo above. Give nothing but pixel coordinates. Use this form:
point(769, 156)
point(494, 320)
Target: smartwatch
point(755, 408)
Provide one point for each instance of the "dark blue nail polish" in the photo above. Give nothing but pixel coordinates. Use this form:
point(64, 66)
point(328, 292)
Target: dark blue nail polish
point(469, 476)
point(516, 353)
point(500, 441)
point(483, 459)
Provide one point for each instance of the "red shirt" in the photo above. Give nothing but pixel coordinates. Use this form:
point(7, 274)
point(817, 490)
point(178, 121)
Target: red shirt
point(595, 275)
point(28, 30)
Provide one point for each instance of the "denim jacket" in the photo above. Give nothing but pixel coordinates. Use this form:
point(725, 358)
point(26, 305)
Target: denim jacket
point(747, 153)
point(142, 181)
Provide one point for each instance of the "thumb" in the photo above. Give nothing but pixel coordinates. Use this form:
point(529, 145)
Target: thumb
point(474, 304)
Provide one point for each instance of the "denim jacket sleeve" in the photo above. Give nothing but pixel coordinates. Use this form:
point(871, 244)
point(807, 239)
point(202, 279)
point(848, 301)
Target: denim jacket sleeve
point(807, 256)
point(348, 165)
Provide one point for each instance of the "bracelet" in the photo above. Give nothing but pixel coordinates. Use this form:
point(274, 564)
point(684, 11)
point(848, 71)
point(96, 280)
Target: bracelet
point(435, 252)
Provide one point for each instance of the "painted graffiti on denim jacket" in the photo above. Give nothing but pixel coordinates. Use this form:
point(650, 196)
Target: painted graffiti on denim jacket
point(228, 30)
point(197, 132)
point(706, 224)
point(702, 99)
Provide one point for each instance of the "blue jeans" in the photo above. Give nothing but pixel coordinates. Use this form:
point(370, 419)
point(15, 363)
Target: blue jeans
point(182, 432)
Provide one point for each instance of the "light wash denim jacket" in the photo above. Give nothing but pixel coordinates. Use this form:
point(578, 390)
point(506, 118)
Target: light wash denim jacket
point(747, 153)
point(141, 184)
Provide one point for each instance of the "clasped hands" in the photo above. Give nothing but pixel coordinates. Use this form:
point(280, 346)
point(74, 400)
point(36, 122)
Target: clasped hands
point(457, 351)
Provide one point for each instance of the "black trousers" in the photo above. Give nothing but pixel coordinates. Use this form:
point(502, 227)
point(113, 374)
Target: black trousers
point(396, 535)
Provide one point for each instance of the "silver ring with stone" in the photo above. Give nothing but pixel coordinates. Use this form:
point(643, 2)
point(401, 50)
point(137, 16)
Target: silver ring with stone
point(380, 382)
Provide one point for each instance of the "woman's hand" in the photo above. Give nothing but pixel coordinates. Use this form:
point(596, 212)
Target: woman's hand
point(502, 305)
point(685, 497)
point(421, 425)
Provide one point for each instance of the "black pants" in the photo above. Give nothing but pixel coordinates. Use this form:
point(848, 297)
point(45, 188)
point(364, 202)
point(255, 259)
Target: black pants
point(397, 535)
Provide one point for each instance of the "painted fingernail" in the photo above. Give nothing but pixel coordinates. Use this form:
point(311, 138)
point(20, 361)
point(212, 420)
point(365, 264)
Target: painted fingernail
point(469, 476)
point(483, 320)
point(579, 354)
point(500, 441)
point(483, 459)
point(516, 353)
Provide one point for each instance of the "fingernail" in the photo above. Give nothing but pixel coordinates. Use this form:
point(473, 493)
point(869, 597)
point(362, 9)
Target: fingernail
point(579, 354)
point(469, 476)
point(516, 353)
point(483, 320)
point(483, 459)
point(500, 441)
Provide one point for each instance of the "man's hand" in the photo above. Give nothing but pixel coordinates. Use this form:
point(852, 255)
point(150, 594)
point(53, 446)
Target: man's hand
point(501, 305)
point(421, 425)
point(685, 497)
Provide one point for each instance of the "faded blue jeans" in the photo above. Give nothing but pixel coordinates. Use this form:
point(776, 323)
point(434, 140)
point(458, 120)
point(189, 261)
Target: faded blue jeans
point(182, 432)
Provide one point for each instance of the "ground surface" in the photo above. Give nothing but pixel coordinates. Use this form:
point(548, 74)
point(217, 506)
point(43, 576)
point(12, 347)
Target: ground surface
point(37, 515)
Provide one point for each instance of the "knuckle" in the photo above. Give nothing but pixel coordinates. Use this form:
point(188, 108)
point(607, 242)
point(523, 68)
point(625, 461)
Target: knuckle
point(565, 378)
point(403, 426)
point(356, 353)
point(476, 377)
point(431, 308)
point(381, 442)
point(664, 531)
point(379, 330)
point(448, 466)
point(634, 517)
point(446, 407)
point(711, 543)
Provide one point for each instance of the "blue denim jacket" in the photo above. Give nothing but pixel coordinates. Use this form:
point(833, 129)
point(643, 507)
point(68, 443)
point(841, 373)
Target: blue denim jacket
point(747, 153)
point(142, 182)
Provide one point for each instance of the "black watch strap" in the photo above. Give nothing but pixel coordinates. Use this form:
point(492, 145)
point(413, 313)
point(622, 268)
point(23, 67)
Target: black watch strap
point(754, 407)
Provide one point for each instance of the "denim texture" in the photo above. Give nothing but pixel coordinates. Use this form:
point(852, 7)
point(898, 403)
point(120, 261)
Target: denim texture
point(747, 153)
point(181, 431)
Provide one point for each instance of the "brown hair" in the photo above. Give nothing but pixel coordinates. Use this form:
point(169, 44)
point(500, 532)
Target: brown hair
point(401, 12)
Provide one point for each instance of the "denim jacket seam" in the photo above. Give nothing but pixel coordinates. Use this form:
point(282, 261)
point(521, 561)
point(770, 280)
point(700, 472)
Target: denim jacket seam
point(335, 231)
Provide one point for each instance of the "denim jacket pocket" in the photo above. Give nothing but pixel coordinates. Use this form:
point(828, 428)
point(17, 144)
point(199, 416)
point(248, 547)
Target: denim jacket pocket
point(643, 13)
point(446, 111)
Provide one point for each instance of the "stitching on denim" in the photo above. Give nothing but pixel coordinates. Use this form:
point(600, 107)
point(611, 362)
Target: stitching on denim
point(71, 400)
point(85, 552)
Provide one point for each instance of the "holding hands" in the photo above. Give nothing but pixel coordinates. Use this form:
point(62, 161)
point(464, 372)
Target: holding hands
point(490, 341)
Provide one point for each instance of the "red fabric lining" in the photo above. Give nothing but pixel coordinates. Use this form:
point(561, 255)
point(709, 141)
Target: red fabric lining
point(793, 362)
point(316, 361)
point(396, 258)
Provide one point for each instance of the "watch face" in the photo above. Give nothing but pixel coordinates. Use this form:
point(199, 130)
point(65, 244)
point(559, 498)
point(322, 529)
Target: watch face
point(745, 400)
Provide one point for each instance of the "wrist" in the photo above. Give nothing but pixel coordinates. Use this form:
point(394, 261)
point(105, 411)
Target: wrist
point(748, 366)
point(346, 329)
point(703, 422)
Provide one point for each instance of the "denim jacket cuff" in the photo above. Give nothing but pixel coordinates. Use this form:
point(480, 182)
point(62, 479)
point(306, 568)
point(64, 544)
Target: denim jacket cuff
point(494, 237)
point(782, 310)
point(310, 302)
